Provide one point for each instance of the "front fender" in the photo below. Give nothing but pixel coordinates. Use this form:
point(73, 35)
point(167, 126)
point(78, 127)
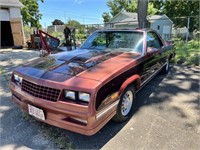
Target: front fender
point(133, 79)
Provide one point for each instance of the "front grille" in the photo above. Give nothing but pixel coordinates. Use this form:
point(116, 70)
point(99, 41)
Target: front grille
point(39, 91)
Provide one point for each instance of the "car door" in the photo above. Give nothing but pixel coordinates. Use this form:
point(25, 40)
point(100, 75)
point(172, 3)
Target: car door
point(153, 55)
point(159, 46)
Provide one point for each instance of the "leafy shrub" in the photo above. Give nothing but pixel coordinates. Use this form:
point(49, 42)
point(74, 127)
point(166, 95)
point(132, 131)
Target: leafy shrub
point(58, 35)
point(180, 59)
point(187, 55)
point(194, 60)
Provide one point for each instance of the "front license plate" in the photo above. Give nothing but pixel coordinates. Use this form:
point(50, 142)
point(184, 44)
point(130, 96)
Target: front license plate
point(36, 112)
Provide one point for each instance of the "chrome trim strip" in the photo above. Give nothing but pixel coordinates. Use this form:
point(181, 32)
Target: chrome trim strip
point(81, 120)
point(103, 112)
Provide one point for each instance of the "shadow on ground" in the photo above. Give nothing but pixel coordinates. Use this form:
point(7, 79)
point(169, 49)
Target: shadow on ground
point(153, 94)
point(18, 131)
point(33, 127)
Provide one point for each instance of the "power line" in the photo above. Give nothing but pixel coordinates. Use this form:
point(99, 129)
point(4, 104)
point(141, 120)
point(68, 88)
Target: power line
point(53, 12)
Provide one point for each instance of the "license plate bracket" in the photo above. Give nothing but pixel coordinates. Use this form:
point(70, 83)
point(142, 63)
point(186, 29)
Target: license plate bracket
point(36, 112)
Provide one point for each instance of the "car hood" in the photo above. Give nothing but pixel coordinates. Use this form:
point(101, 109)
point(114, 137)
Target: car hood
point(84, 63)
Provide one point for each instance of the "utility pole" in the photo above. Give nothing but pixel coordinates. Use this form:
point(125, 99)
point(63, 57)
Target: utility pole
point(45, 27)
point(187, 34)
point(199, 31)
point(65, 17)
point(83, 19)
point(142, 13)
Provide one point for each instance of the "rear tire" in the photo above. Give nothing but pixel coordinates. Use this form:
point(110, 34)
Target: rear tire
point(125, 106)
point(165, 68)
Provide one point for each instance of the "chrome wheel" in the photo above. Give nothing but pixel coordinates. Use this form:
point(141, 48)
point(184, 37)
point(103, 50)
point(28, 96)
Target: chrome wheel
point(167, 66)
point(127, 101)
point(125, 106)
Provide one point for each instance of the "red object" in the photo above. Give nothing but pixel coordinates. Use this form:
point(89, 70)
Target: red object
point(44, 39)
point(82, 90)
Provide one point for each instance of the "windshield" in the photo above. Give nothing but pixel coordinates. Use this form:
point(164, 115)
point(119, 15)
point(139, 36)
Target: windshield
point(115, 41)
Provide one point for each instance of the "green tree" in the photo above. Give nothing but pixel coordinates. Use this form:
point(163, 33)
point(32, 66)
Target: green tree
point(151, 9)
point(116, 6)
point(106, 17)
point(176, 9)
point(158, 4)
point(30, 13)
point(57, 22)
point(73, 23)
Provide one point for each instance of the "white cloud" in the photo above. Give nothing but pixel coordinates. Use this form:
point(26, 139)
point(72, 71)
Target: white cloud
point(79, 1)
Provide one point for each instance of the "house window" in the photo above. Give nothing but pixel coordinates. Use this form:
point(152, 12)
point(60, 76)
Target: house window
point(158, 27)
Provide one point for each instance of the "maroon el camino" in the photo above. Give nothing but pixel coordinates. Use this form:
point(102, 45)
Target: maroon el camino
point(82, 90)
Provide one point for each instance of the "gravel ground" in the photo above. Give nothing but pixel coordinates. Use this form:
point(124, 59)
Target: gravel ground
point(166, 115)
point(16, 131)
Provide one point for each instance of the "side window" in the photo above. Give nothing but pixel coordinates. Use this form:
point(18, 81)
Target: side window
point(153, 40)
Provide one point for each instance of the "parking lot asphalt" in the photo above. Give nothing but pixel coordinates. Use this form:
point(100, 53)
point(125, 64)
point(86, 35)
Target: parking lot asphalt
point(166, 115)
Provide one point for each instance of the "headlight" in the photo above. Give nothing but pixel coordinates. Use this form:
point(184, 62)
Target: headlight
point(84, 97)
point(70, 94)
point(17, 78)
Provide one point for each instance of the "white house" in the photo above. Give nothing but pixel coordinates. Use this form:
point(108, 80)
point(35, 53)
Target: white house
point(161, 23)
point(123, 20)
point(11, 23)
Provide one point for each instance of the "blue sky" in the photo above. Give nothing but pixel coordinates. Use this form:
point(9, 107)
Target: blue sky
point(84, 11)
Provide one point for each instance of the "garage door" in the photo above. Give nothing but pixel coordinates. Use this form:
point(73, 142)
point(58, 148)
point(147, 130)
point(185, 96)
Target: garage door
point(6, 34)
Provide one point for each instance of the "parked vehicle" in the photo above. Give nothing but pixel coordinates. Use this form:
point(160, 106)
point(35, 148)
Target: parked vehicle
point(82, 90)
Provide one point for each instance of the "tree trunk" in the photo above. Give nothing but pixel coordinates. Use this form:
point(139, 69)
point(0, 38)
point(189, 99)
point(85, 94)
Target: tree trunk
point(142, 13)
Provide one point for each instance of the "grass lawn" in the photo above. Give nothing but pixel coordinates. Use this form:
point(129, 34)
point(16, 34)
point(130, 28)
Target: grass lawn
point(189, 55)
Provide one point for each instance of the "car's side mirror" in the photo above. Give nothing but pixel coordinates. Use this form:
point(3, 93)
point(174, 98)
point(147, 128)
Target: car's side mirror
point(151, 50)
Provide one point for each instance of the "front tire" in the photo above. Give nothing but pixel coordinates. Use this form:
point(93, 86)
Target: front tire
point(125, 106)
